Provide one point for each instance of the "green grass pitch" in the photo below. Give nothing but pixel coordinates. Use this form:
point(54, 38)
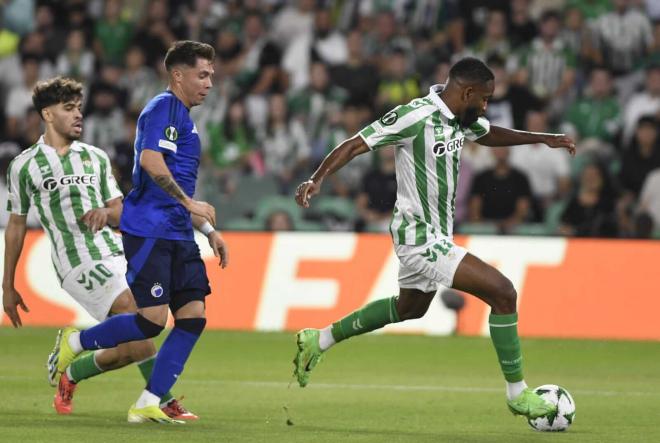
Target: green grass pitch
point(375, 388)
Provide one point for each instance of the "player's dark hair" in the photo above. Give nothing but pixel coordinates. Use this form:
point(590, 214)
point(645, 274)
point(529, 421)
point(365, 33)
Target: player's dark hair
point(56, 90)
point(471, 71)
point(186, 52)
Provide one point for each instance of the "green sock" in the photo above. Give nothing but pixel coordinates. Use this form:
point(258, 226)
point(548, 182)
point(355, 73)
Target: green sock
point(504, 333)
point(373, 316)
point(146, 366)
point(83, 367)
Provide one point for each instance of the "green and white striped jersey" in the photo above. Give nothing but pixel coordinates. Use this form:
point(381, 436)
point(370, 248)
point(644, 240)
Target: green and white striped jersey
point(428, 141)
point(63, 189)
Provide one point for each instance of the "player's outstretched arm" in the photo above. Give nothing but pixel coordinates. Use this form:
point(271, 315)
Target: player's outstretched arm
point(216, 241)
point(499, 136)
point(334, 161)
point(154, 163)
point(14, 238)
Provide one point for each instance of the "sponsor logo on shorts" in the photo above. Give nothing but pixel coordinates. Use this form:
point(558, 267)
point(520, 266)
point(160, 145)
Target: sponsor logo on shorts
point(157, 290)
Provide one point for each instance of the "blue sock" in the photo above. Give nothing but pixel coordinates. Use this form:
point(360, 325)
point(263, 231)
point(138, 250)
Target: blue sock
point(111, 332)
point(173, 354)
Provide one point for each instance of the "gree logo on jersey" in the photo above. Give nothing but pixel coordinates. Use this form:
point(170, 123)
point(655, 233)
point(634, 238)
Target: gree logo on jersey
point(51, 183)
point(442, 148)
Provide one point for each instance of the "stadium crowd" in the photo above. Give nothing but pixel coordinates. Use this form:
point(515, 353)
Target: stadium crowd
point(294, 78)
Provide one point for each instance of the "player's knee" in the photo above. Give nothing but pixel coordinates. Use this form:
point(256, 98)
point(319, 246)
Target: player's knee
point(505, 301)
point(123, 305)
point(411, 311)
point(192, 325)
point(148, 328)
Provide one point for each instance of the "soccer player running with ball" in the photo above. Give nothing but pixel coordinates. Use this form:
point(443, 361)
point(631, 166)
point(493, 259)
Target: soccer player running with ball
point(76, 196)
point(165, 269)
point(428, 135)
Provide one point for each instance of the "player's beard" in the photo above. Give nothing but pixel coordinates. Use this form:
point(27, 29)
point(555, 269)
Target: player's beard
point(470, 116)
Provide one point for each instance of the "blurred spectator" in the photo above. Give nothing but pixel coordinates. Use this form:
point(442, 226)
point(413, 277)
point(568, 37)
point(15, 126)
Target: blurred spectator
point(104, 126)
point(154, 34)
point(318, 107)
point(576, 34)
point(78, 18)
point(479, 157)
point(33, 44)
point(642, 156)
point(643, 103)
point(622, 37)
point(293, 22)
point(475, 15)
point(591, 9)
point(202, 19)
point(510, 102)
point(31, 129)
point(286, 149)
point(138, 79)
point(9, 150)
point(597, 114)
point(323, 44)
point(359, 78)
point(494, 41)
point(279, 220)
point(385, 38)
point(398, 85)
point(522, 29)
point(500, 195)
point(232, 145)
point(122, 154)
point(377, 196)
point(53, 36)
point(548, 65)
point(19, 99)
point(649, 200)
point(548, 170)
point(76, 61)
point(590, 212)
point(18, 17)
point(112, 33)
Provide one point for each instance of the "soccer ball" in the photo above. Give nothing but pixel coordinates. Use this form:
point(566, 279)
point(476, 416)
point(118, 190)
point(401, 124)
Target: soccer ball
point(563, 418)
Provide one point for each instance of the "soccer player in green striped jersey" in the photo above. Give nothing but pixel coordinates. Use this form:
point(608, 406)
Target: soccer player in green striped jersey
point(77, 198)
point(427, 135)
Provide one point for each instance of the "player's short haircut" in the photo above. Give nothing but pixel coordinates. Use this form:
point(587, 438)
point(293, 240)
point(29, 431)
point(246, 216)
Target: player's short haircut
point(56, 90)
point(186, 52)
point(471, 71)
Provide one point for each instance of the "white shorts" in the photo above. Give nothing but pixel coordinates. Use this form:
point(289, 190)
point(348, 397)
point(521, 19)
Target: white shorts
point(430, 265)
point(95, 285)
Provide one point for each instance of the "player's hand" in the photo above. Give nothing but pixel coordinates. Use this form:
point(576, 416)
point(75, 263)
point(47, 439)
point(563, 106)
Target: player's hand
point(95, 219)
point(560, 141)
point(11, 300)
point(305, 191)
point(219, 247)
point(202, 209)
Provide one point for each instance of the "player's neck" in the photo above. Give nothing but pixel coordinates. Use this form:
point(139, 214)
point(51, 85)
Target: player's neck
point(55, 140)
point(178, 93)
point(450, 100)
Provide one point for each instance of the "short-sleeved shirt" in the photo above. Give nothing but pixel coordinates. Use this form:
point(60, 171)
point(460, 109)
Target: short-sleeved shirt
point(428, 139)
point(164, 126)
point(63, 189)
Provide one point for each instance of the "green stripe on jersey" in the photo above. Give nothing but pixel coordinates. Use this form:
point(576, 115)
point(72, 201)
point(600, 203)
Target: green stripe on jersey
point(58, 214)
point(401, 232)
point(91, 191)
point(455, 169)
point(79, 210)
point(441, 173)
point(419, 156)
point(105, 190)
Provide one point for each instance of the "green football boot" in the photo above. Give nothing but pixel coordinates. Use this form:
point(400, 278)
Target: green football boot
point(308, 356)
point(150, 414)
point(531, 405)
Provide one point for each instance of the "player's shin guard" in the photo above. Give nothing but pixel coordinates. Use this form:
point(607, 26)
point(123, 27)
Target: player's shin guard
point(504, 334)
point(373, 316)
point(174, 353)
point(118, 329)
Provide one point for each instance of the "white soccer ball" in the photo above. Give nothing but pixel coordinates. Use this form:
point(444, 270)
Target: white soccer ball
point(565, 409)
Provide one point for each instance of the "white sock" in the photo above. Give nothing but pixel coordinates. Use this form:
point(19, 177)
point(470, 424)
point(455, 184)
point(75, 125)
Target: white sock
point(147, 399)
point(74, 342)
point(514, 389)
point(68, 374)
point(326, 340)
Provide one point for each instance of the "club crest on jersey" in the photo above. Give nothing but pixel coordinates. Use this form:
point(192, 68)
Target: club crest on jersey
point(442, 148)
point(51, 183)
point(171, 133)
point(157, 290)
point(389, 119)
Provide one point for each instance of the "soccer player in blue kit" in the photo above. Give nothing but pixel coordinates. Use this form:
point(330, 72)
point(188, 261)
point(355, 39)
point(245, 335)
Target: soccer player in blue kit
point(165, 269)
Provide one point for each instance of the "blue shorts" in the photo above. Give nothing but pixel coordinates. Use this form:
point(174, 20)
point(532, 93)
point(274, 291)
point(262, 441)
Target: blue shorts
point(164, 272)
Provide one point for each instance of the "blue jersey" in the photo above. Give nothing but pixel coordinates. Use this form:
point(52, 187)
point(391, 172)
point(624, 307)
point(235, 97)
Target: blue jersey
point(163, 126)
